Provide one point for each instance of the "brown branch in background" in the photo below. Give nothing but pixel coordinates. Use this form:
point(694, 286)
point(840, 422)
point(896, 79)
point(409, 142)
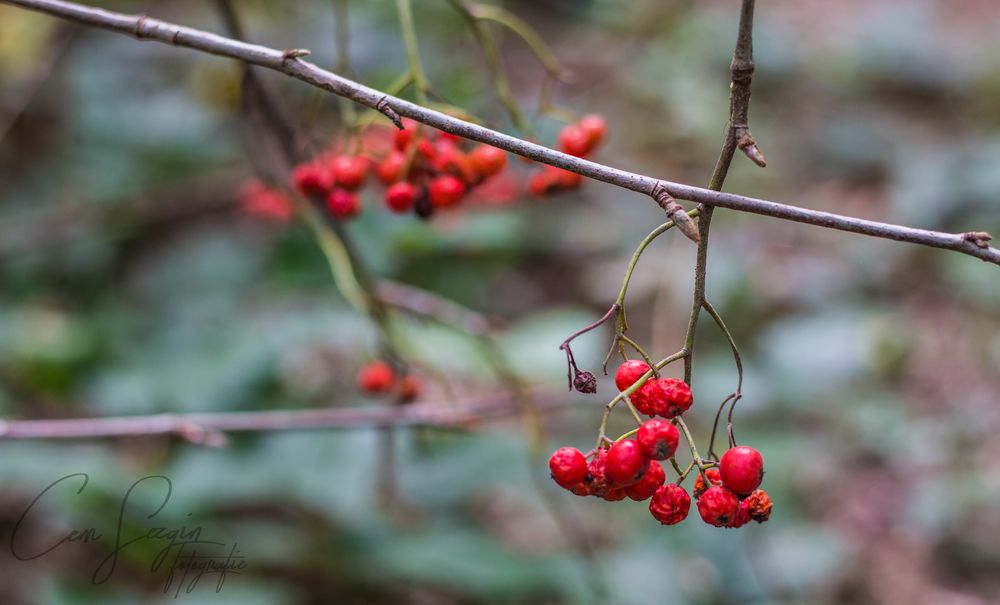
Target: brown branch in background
point(418, 301)
point(209, 429)
point(152, 29)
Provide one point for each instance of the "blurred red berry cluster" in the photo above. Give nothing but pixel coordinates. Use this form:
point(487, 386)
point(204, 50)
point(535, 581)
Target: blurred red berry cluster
point(424, 171)
point(379, 378)
point(580, 139)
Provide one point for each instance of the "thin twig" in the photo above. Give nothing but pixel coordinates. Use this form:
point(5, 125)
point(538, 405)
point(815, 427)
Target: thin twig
point(192, 426)
point(393, 107)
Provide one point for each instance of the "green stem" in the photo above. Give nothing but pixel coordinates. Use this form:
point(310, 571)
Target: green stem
point(348, 110)
point(492, 55)
point(420, 82)
point(523, 30)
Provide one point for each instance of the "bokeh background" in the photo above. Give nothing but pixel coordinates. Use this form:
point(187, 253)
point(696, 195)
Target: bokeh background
point(132, 283)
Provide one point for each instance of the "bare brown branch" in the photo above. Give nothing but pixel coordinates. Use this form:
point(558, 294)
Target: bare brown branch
point(209, 429)
point(147, 28)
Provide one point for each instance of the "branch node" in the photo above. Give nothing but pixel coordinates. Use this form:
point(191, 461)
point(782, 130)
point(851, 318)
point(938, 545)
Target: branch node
point(746, 143)
point(294, 53)
point(383, 107)
point(140, 26)
point(675, 212)
point(980, 238)
point(200, 435)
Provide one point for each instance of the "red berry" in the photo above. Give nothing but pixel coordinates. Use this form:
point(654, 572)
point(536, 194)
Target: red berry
point(427, 149)
point(565, 179)
point(575, 141)
point(400, 197)
point(718, 506)
point(657, 439)
point(629, 372)
point(349, 172)
point(342, 204)
point(742, 515)
point(446, 191)
point(410, 388)
point(312, 179)
point(568, 467)
point(699, 483)
point(742, 469)
point(390, 169)
point(258, 199)
point(449, 159)
point(376, 377)
point(667, 397)
point(670, 504)
point(675, 400)
point(643, 397)
point(487, 160)
point(542, 183)
point(614, 494)
point(651, 480)
point(596, 128)
point(759, 505)
point(596, 479)
point(401, 138)
point(625, 463)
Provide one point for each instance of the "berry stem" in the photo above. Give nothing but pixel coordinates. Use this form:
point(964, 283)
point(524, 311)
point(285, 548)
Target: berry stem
point(624, 395)
point(695, 457)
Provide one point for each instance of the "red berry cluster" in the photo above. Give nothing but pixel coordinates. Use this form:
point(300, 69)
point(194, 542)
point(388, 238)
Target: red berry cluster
point(734, 498)
point(631, 467)
point(423, 170)
point(379, 378)
point(579, 139)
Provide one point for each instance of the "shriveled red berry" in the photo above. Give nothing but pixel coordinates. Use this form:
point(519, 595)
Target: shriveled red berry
point(400, 197)
point(742, 469)
point(446, 191)
point(699, 483)
point(596, 128)
point(718, 506)
point(644, 397)
point(349, 172)
point(596, 479)
point(670, 504)
point(759, 505)
point(448, 158)
point(390, 169)
point(402, 138)
point(676, 398)
point(312, 179)
point(343, 204)
point(575, 141)
point(657, 439)
point(625, 464)
point(667, 397)
point(376, 377)
point(629, 372)
point(568, 467)
point(742, 515)
point(651, 480)
point(487, 160)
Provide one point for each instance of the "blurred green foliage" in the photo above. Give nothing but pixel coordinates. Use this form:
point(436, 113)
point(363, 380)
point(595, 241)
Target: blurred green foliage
point(130, 283)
